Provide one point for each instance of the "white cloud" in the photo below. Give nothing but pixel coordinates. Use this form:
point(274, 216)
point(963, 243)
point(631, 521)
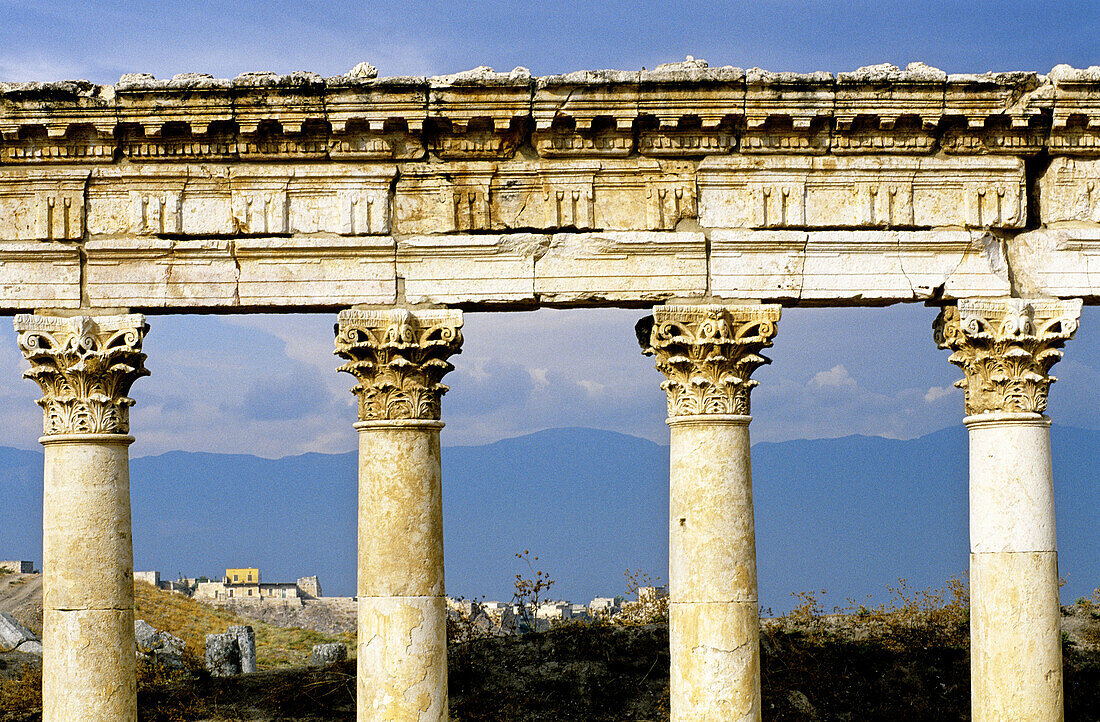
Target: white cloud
point(592, 388)
point(836, 377)
point(935, 393)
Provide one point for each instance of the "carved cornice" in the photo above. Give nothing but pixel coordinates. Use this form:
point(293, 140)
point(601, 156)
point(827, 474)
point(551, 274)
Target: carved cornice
point(399, 358)
point(85, 366)
point(707, 353)
point(684, 109)
point(1006, 348)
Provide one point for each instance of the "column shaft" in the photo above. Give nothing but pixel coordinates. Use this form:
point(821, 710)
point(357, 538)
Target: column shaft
point(1015, 617)
point(402, 612)
point(399, 357)
point(1006, 349)
point(85, 366)
point(714, 627)
point(89, 659)
point(707, 354)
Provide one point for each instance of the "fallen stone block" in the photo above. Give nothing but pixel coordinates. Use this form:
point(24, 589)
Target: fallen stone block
point(161, 647)
point(14, 637)
point(325, 654)
point(246, 644)
point(223, 656)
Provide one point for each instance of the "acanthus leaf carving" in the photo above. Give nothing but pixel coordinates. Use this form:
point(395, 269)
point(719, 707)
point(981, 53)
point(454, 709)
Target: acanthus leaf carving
point(707, 354)
point(1006, 349)
point(85, 366)
point(398, 358)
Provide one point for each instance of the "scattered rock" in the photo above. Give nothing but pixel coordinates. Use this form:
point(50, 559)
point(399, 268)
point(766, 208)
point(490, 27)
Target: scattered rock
point(325, 654)
point(801, 703)
point(363, 70)
point(14, 637)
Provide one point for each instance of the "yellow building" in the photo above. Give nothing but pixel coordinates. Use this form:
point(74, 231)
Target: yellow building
point(247, 575)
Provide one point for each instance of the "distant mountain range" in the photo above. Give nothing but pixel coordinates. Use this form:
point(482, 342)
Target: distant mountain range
point(849, 515)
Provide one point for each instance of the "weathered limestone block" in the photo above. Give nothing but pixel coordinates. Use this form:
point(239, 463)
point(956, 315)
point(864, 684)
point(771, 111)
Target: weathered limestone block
point(193, 99)
point(324, 655)
point(223, 654)
point(156, 199)
point(485, 268)
point(1076, 94)
point(162, 647)
point(860, 191)
point(608, 194)
point(39, 275)
point(993, 98)
point(319, 270)
point(1069, 191)
point(584, 267)
point(690, 87)
point(1059, 262)
point(584, 95)
point(246, 646)
point(803, 98)
point(780, 265)
point(42, 204)
point(14, 637)
point(159, 199)
point(887, 93)
point(369, 101)
point(348, 199)
point(757, 264)
point(157, 272)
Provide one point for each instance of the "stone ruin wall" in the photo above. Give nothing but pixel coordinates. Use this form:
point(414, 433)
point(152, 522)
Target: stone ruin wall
point(503, 190)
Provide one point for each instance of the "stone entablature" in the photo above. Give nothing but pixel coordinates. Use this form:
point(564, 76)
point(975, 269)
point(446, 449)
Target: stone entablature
point(486, 189)
point(679, 109)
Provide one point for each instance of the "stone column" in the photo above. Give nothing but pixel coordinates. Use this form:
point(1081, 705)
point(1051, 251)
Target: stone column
point(85, 366)
point(399, 358)
point(1006, 348)
point(707, 354)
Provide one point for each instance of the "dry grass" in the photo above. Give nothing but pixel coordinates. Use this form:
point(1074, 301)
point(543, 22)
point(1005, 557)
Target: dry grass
point(21, 697)
point(191, 621)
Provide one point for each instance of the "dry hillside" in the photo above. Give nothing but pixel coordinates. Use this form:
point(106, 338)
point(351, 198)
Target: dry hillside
point(191, 621)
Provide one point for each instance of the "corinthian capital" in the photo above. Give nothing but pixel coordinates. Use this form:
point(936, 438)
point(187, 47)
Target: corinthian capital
point(1006, 348)
point(399, 358)
point(707, 354)
point(85, 366)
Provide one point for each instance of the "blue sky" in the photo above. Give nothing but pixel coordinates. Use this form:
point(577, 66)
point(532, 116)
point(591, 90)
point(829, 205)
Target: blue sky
point(267, 385)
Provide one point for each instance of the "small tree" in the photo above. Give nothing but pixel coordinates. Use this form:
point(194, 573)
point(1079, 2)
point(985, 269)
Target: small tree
point(530, 590)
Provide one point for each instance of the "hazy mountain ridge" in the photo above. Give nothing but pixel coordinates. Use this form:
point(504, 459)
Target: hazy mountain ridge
point(849, 515)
